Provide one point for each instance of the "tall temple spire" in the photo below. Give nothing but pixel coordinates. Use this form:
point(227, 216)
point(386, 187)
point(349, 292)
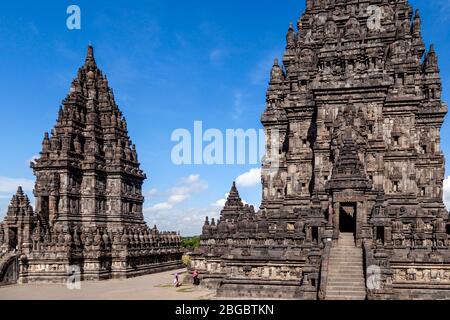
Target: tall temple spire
point(234, 197)
point(87, 178)
point(431, 60)
point(90, 59)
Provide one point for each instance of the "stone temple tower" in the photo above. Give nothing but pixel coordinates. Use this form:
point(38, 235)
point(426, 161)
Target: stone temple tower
point(89, 203)
point(89, 172)
point(353, 178)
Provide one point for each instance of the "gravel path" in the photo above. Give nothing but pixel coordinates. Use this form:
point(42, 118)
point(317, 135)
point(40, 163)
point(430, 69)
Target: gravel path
point(152, 287)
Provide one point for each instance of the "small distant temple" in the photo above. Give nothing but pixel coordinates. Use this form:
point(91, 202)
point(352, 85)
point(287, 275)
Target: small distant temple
point(89, 205)
point(353, 177)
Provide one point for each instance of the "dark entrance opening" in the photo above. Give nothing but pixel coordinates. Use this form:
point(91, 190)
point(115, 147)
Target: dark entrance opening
point(380, 235)
point(347, 218)
point(315, 234)
point(45, 207)
point(13, 238)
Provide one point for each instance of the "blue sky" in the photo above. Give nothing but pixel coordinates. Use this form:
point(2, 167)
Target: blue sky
point(170, 63)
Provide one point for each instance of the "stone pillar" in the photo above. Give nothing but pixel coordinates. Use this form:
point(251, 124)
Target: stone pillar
point(53, 209)
point(331, 212)
point(360, 221)
point(7, 238)
point(388, 236)
point(337, 209)
point(38, 205)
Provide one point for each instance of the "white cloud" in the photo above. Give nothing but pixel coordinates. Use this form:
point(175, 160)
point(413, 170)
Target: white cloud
point(161, 206)
point(152, 193)
point(189, 221)
point(178, 198)
point(10, 185)
point(221, 202)
point(193, 178)
point(180, 193)
point(447, 192)
point(249, 179)
point(216, 56)
point(238, 108)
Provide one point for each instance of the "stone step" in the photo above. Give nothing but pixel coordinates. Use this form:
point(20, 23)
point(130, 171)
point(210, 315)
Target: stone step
point(346, 280)
point(337, 269)
point(346, 267)
point(346, 271)
point(350, 252)
point(345, 284)
point(346, 298)
point(351, 283)
point(345, 274)
point(346, 256)
point(346, 234)
point(347, 293)
point(346, 260)
point(340, 288)
point(354, 269)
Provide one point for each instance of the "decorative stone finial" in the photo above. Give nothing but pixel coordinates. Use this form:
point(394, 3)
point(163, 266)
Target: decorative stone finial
point(90, 59)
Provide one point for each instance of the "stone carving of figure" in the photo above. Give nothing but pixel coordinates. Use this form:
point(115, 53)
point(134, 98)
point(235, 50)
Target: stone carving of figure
point(440, 226)
point(352, 29)
point(420, 225)
point(331, 30)
point(98, 238)
point(277, 72)
point(397, 226)
point(77, 145)
point(46, 144)
point(307, 58)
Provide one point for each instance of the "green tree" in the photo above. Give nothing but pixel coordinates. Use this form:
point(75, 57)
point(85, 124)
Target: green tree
point(190, 242)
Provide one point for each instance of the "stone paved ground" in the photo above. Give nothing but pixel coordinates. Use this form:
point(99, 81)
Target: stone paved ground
point(152, 287)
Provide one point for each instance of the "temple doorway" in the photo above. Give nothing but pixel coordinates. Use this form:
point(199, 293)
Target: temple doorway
point(347, 218)
point(13, 238)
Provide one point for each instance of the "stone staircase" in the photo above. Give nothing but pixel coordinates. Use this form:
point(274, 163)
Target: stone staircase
point(346, 271)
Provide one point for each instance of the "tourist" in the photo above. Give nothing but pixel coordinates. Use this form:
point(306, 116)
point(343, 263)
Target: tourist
point(176, 281)
point(196, 279)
